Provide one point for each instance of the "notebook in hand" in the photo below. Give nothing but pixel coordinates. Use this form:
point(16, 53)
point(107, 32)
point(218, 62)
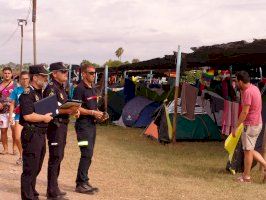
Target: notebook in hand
point(71, 103)
point(47, 105)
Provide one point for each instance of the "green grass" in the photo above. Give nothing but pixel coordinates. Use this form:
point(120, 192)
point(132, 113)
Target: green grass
point(140, 168)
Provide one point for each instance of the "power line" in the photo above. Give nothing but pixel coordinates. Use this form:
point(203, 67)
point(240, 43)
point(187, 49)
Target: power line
point(10, 37)
point(14, 32)
point(29, 11)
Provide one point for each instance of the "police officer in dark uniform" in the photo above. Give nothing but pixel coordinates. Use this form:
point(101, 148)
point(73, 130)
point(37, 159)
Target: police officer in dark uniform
point(85, 127)
point(57, 128)
point(33, 132)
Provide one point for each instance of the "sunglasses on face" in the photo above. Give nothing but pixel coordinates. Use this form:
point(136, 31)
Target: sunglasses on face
point(63, 71)
point(91, 73)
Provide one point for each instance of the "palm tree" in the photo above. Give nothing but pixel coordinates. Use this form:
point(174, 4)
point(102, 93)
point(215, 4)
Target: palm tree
point(135, 60)
point(119, 53)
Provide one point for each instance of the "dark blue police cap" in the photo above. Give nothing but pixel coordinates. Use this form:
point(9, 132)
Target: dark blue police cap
point(38, 69)
point(58, 66)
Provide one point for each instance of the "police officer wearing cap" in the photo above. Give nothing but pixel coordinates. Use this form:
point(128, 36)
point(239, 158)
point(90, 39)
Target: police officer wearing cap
point(57, 128)
point(33, 132)
point(85, 127)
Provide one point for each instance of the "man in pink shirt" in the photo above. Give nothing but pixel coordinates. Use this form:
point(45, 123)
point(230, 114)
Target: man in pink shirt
point(252, 120)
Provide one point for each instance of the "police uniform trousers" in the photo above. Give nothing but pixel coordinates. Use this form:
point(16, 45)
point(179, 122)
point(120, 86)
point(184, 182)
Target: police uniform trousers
point(56, 135)
point(34, 147)
point(86, 135)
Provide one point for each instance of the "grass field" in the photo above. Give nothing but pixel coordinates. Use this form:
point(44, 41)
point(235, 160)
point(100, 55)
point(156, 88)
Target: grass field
point(127, 165)
point(143, 169)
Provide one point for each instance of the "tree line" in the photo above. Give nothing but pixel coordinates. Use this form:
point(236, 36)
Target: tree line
point(110, 63)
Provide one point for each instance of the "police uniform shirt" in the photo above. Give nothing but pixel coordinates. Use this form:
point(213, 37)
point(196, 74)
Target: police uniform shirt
point(26, 101)
point(58, 89)
point(88, 96)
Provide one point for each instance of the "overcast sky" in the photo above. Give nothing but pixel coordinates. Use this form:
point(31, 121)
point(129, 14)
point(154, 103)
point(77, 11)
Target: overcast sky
point(73, 30)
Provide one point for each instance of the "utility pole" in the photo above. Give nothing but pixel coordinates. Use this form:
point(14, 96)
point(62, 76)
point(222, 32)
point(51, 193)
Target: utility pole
point(21, 23)
point(34, 6)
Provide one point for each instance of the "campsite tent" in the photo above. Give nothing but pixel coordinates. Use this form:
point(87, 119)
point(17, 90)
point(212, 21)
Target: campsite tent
point(152, 130)
point(161, 127)
point(202, 128)
point(116, 102)
point(138, 112)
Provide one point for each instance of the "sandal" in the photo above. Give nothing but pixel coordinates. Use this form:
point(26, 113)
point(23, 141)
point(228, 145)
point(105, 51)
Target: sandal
point(19, 161)
point(242, 179)
point(4, 153)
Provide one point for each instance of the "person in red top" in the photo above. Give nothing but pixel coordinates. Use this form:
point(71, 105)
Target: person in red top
point(251, 117)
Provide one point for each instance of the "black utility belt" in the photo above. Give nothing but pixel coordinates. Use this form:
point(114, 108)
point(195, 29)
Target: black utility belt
point(34, 128)
point(61, 120)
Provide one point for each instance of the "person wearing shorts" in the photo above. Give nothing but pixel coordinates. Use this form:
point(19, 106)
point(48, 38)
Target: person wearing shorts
point(14, 112)
point(6, 88)
point(251, 117)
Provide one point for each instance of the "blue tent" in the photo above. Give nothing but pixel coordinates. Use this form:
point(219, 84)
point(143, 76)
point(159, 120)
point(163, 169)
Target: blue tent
point(137, 112)
point(146, 115)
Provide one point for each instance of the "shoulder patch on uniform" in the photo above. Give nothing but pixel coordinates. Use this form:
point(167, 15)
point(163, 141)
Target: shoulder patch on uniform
point(36, 97)
point(51, 92)
point(26, 91)
point(61, 96)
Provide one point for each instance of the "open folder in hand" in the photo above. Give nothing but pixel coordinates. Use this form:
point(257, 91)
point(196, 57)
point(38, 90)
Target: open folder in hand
point(71, 103)
point(47, 105)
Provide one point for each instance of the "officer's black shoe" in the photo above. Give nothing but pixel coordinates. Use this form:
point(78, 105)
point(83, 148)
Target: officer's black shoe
point(60, 192)
point(57, 198)
point(95, 189)
point(84, 188)
point(57, 193)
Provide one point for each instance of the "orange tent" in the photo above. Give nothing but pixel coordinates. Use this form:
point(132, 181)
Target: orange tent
point(152, 130)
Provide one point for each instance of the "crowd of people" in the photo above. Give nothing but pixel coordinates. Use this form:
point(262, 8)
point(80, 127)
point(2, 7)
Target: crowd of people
point(30, 128)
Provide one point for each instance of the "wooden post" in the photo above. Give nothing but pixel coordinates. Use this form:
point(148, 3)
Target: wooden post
point(177, 80)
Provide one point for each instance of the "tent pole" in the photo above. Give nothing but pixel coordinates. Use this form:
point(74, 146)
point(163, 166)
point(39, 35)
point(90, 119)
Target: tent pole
point(96, 78)
point(125, 74)
point(69, 74)
point(105, 87)
point(150, 76)
point(177, 80)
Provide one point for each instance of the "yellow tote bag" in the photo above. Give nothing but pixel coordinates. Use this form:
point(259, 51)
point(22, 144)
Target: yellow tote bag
point(231, 142)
